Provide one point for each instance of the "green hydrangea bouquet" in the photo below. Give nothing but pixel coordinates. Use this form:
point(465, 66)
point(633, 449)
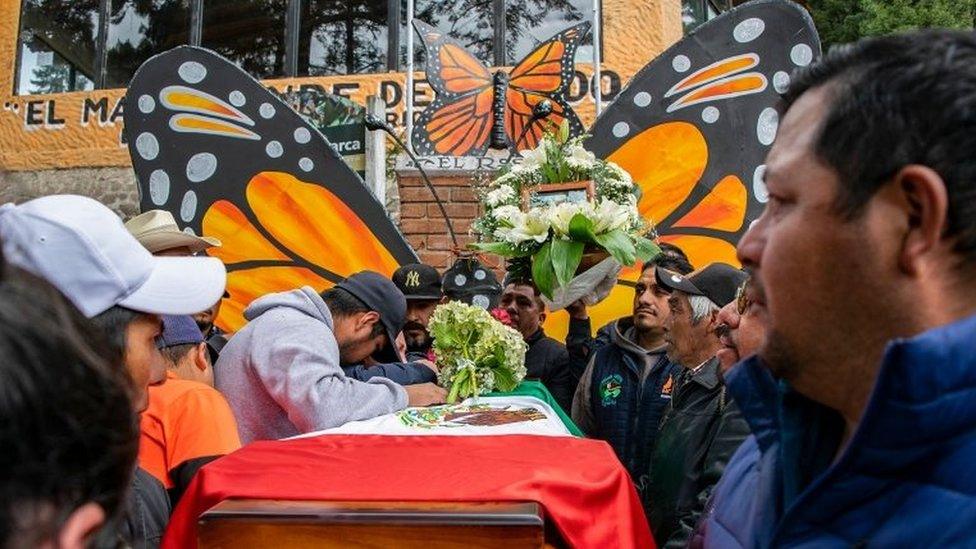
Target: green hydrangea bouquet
point(476, 354)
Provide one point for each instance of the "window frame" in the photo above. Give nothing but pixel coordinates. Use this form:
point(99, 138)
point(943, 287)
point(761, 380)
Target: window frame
point(292, 41)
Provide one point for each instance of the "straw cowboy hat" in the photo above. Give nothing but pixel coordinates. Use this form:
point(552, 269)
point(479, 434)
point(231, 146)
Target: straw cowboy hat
point(156, 230)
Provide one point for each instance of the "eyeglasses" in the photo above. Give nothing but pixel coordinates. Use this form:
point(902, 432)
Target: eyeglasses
point(742, 302)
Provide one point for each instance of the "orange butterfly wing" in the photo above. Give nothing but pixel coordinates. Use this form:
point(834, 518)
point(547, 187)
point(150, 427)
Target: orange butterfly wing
point(544, 74)
point(693, 128)
point(458, 122)
point(230, 160)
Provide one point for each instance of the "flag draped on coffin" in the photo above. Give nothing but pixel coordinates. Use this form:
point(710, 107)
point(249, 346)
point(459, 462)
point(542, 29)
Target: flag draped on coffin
point(511, 447)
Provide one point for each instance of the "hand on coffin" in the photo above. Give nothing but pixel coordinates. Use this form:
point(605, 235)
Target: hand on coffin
point(425, 394)
point(577, 310)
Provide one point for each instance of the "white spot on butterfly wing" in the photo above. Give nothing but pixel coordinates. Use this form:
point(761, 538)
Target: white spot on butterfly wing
point(642, 99)
point(759, 189)
point(710, 114)
point(306, 164)
point(188, 208)
point(146, 104)
point(200, 167)
point(147, 146)
point(621, 129)
point(479, 300)
point(266, 110)
point(801, 55)
point(159, 187)
point(479, 275)
point(460, 280)
point(767, 125)
point(192, 72)
point(302, 135)
point(189, 230)
point(748, 30)
point(781, 81)
point(237, 98)
point(274, 149)
point(681, 63)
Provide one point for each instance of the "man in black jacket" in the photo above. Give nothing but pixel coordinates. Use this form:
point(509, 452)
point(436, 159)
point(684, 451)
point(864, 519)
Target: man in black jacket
point(546, 359)
point(702, 427)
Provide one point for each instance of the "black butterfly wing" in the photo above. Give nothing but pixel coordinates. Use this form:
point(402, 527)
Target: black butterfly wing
point(230, 160)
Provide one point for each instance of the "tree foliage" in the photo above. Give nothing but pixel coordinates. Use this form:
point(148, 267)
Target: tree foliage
point(841, 21)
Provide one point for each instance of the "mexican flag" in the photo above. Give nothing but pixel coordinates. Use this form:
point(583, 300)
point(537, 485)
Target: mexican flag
point(517, 446)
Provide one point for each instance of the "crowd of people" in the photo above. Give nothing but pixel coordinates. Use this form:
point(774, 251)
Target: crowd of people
point(823, 395)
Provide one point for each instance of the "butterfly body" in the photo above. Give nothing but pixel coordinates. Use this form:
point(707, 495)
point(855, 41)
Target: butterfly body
point(477, 109)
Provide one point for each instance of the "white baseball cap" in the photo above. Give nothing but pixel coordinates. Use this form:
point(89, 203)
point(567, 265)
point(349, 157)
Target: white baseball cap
point(84, 250)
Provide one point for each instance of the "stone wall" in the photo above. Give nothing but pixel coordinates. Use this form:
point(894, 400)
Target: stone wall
point(114, 187)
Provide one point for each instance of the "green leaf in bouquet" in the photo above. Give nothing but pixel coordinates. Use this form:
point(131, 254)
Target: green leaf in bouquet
point(646, 248)
point(619, 245)
point(564, 131)
point(566, 256)
point(581, 229)
point(542, 271)
point(504, 379)
point(503, 249)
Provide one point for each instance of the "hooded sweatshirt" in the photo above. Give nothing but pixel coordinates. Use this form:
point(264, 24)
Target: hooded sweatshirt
point(281, 373)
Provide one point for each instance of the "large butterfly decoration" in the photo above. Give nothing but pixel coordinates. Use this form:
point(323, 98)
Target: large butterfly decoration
point(693, 128)
point(214, 146)
point(476, 109)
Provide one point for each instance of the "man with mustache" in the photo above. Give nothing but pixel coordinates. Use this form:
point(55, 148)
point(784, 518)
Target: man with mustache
point(421, 285)
point(627, 383)
point(702, 426)
point(862, 398)
point(740, 329)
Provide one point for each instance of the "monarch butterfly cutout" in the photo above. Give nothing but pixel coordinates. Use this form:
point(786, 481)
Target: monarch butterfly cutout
point(475, 108)
point(693, 128)
point(232, 161)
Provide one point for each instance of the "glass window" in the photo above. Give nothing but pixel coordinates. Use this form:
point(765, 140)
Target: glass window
point(250, 33)
point(529, 22)
point(696, 12)
point(470, 22)
point(57, 51)
point(342, 37)
point(138, 30)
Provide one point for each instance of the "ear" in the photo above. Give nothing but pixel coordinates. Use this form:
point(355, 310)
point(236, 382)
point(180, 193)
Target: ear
point(367, 320)
point(81, 524)
point(923, 195)
point(542, 316)
point(201, 357)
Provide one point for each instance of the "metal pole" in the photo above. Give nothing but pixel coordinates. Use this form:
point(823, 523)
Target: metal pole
point(597, 84)
point(408, 93)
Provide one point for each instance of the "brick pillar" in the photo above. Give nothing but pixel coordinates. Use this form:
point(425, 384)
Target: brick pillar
point(423, 224)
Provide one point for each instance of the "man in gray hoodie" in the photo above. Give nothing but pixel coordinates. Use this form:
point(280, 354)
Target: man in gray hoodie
point(282, 373)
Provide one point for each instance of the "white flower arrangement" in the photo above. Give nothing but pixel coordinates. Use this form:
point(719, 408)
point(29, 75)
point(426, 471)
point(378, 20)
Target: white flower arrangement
point(554, 236)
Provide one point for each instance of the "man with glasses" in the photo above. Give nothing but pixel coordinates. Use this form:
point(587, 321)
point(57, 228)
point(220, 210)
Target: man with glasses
point(740, 329)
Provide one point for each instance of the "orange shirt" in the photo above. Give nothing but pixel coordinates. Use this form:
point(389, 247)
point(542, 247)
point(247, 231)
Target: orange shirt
point(185, 420)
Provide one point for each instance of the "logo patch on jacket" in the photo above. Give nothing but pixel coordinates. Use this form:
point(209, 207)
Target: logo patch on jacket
point(668, 385)
point(610, 389)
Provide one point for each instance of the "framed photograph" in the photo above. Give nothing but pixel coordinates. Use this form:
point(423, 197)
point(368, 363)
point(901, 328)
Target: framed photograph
point(557, 193)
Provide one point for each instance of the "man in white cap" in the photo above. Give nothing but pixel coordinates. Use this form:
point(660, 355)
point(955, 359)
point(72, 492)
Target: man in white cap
point(83, 249)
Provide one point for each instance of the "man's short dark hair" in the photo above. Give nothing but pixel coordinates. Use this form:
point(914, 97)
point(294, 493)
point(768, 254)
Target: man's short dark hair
point(671, 258)
point(898, 100)
point(343, 303)
point(67, 427)
point(174, 354)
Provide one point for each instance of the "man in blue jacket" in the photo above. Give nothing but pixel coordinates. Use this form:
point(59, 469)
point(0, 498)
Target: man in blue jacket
point(862, 402)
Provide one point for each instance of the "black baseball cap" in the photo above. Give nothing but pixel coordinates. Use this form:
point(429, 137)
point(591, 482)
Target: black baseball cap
point(418, 281)
point(379, 294)
point(718, 282)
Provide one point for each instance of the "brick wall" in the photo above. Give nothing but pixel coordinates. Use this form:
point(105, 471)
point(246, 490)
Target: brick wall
point(423, 224)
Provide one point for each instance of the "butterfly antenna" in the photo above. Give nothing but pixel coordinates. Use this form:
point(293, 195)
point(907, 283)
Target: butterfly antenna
point(375, 124)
